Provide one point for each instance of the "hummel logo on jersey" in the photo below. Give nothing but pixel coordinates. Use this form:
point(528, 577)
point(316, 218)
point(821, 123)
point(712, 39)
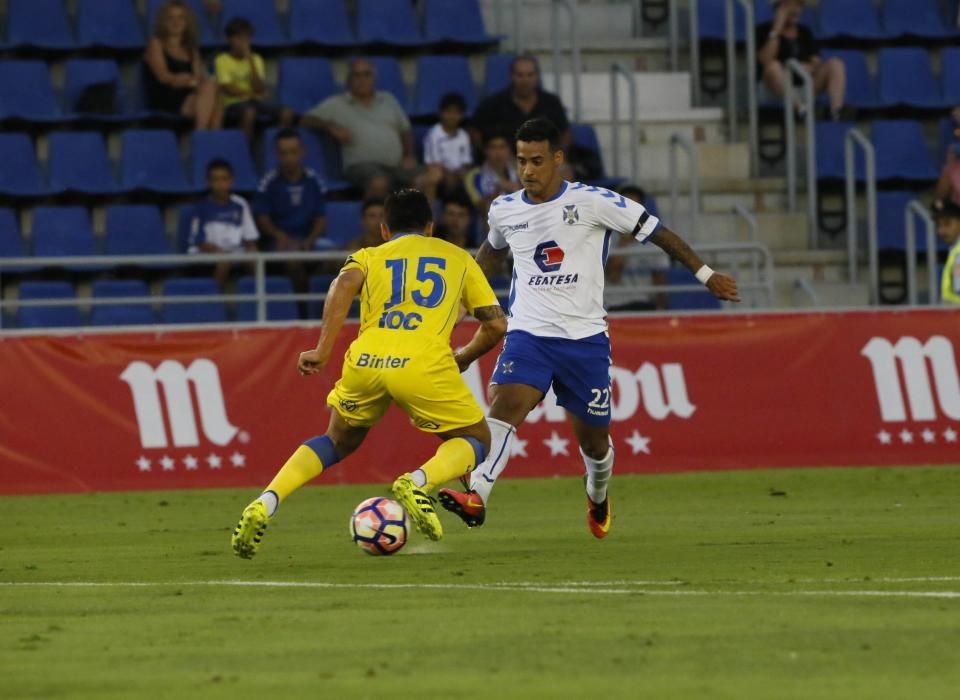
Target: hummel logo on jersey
point(517, 227)
point(570, 215)
point(548, 256)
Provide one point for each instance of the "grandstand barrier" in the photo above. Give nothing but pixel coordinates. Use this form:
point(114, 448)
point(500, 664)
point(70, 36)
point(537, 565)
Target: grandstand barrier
point(914, 210)
point(618, 71)
point(796, 69)
point(851, 142)
point(217, 407)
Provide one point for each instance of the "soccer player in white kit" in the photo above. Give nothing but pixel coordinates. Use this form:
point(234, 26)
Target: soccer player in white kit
point(559, 234)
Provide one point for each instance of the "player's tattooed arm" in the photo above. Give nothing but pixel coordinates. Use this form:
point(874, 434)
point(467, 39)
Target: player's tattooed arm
point(493, 326)
point(720, 285)
point(335, 309)
point(491, 259)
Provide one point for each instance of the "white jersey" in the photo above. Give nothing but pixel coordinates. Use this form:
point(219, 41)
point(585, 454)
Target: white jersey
point(559, 251)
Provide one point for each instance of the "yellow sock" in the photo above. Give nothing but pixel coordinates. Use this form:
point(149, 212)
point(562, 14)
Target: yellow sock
point(303, 465)
point(453, 459)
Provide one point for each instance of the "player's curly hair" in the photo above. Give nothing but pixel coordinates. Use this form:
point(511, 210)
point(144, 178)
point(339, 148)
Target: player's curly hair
point(407, 210)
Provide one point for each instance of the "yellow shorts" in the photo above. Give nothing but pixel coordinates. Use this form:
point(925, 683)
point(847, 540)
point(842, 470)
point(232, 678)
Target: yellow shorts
point(426, 384)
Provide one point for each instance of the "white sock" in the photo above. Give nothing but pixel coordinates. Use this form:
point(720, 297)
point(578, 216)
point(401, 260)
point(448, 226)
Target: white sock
point(419, 478)
point(485, 474)
point(271, 501)
point(598, 474)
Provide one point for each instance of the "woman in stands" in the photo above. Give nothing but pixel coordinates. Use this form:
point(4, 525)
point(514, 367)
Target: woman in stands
point(174, 77)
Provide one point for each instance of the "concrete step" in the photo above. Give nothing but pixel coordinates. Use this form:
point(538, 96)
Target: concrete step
point(698, 125)
point(657, 93)
point(790, 294)
point(716, 161)
point(781, 231)
point(719, 195)
point(595, 21)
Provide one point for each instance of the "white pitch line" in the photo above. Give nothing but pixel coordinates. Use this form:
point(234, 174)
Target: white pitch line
point(521, 586)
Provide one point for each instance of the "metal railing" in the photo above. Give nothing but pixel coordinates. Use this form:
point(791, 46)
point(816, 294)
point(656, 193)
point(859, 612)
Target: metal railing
point(739, 210)
point(617, 70)
point(677, 142)
point(853, 139)
point(915, 210)
point(795, 68)
point(751, 64)
point(573, 43)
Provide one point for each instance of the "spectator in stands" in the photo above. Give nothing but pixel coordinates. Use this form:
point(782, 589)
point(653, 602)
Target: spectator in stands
point(505, 111)
point(372, 129)
point(948, 186)
point(626, 271)
point(240, 75)
point(447, 152)
point(497, 175)
point(371, 216)
point(221, 221)
point(948, 228)
point(173, 75)
point(785, 38)
point(455, 221)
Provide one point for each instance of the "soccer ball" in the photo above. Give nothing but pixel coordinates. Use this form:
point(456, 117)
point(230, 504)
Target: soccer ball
point(379, 526)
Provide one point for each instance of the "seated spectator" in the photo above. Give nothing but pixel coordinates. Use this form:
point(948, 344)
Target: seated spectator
point(240, 75)
point(497, 175)
point(446, 148)
point(371, 216)
point(785, 38)
point(372, 129)
point(221, 221)
point(948, 228)
point(505, 111)
point(636, 270)
point(454, 225)
point(948, 186)
point(173, 75)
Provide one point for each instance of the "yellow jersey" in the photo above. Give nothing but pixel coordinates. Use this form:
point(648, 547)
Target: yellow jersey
point(236, 72)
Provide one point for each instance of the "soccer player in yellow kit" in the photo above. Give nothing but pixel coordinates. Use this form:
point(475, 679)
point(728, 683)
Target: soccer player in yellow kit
point(411, 289)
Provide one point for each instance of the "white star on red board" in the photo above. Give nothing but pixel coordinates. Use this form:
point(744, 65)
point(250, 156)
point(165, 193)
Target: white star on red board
point(143, 464)
point(884, 437)
point(238, 460)
point(518, 447)
point(557, 445)
point(167, 463)
point(190, 462)
point(906, 437)
point(950, 435)
point(638, 443)
point(929, 436)
point(214, 461)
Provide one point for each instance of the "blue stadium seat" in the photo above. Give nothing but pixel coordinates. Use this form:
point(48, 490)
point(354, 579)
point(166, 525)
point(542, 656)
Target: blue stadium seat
point(276, 310)
point(947, 139)
point(267, 30)
point(915, 18)
point(303, 83)
point(585, 136)
point(711, 20)
point(209, 36)
point(78, 162)
point(47, 316)
point(41, 24)
point(890, 230)
point(64, 232)
point(950, 75)
point(763, 12)
point(455, 22)
point(229, 144)
point(902, 151)
point(134, 229)
point(184, 222)
point(121, 314)
point(390, 78)
point(343, 222)
point(112, 24)
point(831, 137)
point(496, 72)
point(12, 244)
point(319, 284)
point(26, 92)
point(861, 86)
point(677, 301)
point(83, 73)
point(150, 160)
point(856, 19)
point(323, 22)
point(387, 22)
point(438, 75)
point(197, 312)
point(906, 79)
point(20, 174)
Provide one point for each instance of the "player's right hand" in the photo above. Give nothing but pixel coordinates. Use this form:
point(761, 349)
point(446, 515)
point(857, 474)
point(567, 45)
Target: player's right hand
point(311, 362)
point(723, 287)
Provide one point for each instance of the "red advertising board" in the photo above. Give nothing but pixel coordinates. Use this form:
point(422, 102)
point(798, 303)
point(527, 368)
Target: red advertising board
point(208, 408)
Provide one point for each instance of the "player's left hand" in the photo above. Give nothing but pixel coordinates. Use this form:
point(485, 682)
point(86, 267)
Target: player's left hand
point(311, 362)
point(723, 287)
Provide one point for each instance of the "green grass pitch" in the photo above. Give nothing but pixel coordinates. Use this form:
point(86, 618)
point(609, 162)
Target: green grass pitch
point(767, 584)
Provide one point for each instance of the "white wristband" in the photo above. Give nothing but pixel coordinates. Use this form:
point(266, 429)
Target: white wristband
point(703, 274)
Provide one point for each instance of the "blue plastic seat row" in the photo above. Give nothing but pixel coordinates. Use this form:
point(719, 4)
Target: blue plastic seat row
point(900, 146)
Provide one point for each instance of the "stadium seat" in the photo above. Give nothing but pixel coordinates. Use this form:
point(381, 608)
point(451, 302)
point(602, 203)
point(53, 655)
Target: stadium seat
point(82, 74)
point(679, 300)
point(64, 232)
point(457, 22)
point(319, 284)
point(831, 137)
point(323, 22)
point(496, 72)
point(196, 312)
point(343, 222)
point(26, 92)
point(134, 229)
point(763, 12)
point(914, 18)
point(313, 151)
point(121, 314)
point(12, 244)
point(854, 19)
point(891, 233)
point(208, 35)
point(47, 316)
point(438, 75)
point(112, 24)
point(20, 174)
point(901, 151)
point(303, 83)
point(947, 139)
point(906, 79)
point(585, 137)
point(390, 78)
point(861, 86)
point(150, 160)
point(285, 310)
point(387, 22)
point(78, 162)
point(711, 20)
point(262, 15)
point(184, 222)
point(950, 75)
point(41, 24)
point(229, 144)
